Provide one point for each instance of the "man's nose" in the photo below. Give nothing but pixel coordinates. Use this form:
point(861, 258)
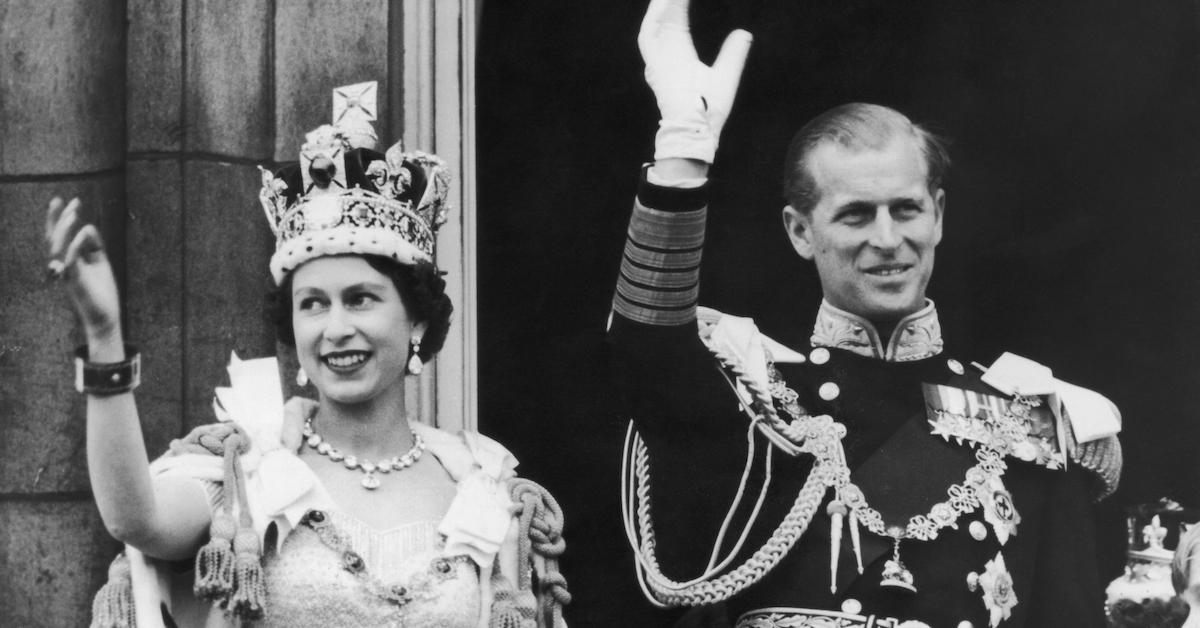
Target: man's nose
point(885, 234)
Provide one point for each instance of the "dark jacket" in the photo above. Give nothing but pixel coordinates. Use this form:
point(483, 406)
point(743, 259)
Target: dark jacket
point(689, 418)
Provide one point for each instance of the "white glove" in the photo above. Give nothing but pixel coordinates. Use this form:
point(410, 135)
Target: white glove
point(694, 99)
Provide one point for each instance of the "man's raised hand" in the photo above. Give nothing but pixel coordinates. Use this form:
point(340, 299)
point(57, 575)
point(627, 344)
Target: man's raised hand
point(694, 100)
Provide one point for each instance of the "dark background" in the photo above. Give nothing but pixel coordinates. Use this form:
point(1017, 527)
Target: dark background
point(1069, 235)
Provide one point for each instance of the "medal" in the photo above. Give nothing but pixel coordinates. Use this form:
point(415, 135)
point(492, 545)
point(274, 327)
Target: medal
point(895, 574)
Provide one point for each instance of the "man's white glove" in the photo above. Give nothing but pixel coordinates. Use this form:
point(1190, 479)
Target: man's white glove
point(694, 99)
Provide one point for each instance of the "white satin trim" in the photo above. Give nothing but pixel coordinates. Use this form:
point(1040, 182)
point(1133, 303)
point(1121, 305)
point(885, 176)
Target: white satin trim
point(280, 487)
point(738, 338)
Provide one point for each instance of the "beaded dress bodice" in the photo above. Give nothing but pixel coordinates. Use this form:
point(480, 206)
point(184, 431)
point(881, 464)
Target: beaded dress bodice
point(334, 570)
point(321, 567)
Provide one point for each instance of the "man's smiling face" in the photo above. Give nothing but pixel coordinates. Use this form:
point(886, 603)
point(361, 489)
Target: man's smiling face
point(873, 232)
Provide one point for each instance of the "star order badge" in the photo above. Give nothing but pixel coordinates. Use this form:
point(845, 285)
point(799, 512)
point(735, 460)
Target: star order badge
point(996, 585)
point(998, 508)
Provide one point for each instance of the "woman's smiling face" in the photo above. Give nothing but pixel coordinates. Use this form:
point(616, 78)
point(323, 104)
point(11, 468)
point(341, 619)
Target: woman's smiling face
point(352, 329)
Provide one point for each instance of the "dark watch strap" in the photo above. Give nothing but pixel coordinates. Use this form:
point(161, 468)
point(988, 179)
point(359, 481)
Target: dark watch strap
point(108, 379)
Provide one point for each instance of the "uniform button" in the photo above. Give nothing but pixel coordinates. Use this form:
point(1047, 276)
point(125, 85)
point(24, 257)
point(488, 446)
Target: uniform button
point(818, 356)
point(973, 581)
point(955, 366)
point(829, 391)
point(978, 530)
point(965, 624)
point(851, 606)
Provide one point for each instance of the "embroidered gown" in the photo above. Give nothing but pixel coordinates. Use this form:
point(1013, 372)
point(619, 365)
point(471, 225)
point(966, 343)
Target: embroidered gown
point(404, 577)
point(322, 567)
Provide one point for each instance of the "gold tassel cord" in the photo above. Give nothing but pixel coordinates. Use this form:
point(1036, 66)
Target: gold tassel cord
point(113, 604)
point(541, 522)
point(507, 612)
point(214, 561)
point(228, 567)
point(250, 593)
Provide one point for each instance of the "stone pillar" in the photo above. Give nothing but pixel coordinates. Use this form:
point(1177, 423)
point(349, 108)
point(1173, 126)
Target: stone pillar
point(158, 113)
point(62, 120)
point(228, 131)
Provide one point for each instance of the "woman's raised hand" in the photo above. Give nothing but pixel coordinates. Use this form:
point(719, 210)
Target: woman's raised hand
point(77, 257)
point(694, 99)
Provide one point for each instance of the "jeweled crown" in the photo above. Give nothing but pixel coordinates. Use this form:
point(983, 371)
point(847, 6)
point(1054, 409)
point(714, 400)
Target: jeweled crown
point(344, 197)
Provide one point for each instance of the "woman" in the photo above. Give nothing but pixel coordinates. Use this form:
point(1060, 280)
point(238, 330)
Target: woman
point(375, 520)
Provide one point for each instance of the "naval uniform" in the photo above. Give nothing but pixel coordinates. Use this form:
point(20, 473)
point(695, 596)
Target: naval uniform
point(1023, 555)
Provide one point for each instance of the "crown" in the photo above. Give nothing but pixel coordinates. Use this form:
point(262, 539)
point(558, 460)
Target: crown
point(344, 197)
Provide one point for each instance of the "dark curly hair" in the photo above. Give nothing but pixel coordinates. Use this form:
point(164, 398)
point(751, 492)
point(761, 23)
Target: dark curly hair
point(421, 288)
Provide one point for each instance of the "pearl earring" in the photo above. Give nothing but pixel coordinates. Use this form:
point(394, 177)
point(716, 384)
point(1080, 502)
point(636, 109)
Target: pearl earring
point(415, 365)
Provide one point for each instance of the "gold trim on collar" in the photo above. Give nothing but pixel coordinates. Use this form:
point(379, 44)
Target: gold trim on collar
point(916, 337)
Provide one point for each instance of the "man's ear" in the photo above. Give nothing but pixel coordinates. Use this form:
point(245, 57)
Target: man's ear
point(939, 204)
point(799, 229)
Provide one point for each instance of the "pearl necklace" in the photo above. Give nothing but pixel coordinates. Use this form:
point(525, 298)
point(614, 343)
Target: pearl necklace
point(370, 481)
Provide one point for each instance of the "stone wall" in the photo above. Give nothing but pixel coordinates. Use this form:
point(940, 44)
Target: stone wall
point(156, 113)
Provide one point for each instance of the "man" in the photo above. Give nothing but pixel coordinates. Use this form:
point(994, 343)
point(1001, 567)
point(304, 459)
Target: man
point(883, 482)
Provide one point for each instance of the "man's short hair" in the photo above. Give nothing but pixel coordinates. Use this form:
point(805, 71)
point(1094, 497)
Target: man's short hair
point(856, 126)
